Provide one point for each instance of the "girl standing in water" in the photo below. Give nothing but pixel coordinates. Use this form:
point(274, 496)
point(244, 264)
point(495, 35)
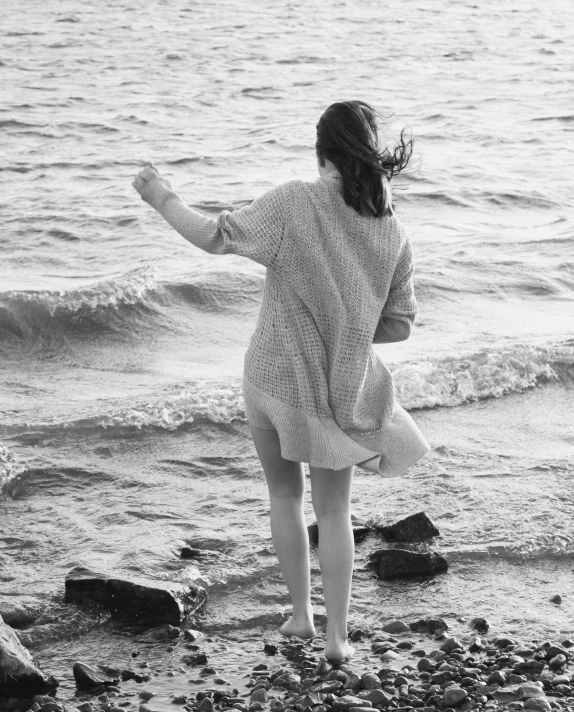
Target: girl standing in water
point(339, 278)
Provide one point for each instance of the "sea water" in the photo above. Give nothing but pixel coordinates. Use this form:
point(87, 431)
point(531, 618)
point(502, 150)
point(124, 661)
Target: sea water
point(122, 427)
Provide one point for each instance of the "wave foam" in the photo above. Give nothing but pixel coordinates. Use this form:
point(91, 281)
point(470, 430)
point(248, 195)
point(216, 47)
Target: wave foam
point(218, 405)
point(9, 469)
point(485, 374)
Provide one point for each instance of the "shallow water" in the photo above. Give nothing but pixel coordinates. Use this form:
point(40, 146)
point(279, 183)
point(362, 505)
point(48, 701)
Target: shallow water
point(122, 427)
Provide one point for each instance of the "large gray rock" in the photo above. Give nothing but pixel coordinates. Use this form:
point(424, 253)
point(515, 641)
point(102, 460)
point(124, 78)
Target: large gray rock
point(392, 563)
point(416, 527)
point(88, 676)
point(18, 674)
point(169, 602)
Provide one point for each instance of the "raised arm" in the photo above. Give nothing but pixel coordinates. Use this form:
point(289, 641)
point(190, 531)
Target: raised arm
point(398, 314)
point(200, 230)
point(255, 231)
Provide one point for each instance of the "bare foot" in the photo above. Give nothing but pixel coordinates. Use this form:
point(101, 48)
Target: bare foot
point(300, 627)
point(336, 652)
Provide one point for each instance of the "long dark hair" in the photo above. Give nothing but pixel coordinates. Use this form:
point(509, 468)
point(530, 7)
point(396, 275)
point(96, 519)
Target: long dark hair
point(347, 135)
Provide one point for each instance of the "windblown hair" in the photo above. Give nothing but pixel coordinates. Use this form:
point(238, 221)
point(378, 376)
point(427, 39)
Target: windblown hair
point(347, 135)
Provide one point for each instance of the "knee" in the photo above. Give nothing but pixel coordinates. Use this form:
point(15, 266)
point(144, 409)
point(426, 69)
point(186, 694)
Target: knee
point(329, 509)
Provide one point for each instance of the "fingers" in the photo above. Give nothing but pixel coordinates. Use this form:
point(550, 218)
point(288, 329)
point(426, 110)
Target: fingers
point(148, 173)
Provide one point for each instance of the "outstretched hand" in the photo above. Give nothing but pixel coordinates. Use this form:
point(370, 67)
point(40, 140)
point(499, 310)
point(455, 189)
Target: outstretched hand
point(145, 176)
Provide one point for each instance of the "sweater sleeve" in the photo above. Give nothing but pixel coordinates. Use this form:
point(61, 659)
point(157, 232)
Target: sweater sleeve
point(254, 231)
point(398, 314)
point(197, 228)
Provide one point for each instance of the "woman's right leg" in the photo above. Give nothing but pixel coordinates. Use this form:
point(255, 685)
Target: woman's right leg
point(331, 496)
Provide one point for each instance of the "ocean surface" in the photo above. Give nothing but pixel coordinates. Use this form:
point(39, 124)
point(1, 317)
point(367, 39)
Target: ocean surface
point(122, 430)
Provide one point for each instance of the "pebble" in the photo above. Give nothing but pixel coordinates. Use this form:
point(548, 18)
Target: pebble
point(425, 664)
point(206, 705)
point(557, 599)
point(348, 701)
point(451, 644)
point(558, 661)
point(146, 694)
point(370, 681)
point(537, 705)
point(83, 707)
point(397, 627)
point(179, 700)
point(259, 695)
point(453, 696)
point(389, 655)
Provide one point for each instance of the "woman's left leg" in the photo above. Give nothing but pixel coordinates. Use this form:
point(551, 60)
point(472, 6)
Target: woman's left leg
point(286, 482)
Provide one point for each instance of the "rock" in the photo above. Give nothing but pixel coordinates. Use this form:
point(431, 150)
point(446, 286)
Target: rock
point(476, 646)
point(514, 679)
point(370, 681)
point(18, 673)
point(259, 695)
point(554, 650)
point(431, 626)
point(417, 527)
point(497, 678)
point(557, 599)
point(270, 649)
point(537, 705)
point(396, 627)
point(206, 705)
point(353, 682)
point(188, 552)
point(375, 697)
point(192, 635)
point(503, 642)
point(451, 644)
point(392, 563)
point(348, 701)
point(530, 689)
point(85, 707)
point(389, 655)
point(357, 635)
point(558, 661)
point(161, 634)
point(180, 700)
point(322, 667)
point(453, 696)
point(195, 659)
point(88, 676)
point(529, 667)
point(169, 602)
point(480, 625)
point(425, 664)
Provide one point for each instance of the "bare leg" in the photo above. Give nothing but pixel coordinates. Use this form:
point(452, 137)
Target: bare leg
point(286, 483)
point(331, 494)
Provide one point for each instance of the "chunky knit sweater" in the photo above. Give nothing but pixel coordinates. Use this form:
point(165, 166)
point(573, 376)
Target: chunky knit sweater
point(336, 282)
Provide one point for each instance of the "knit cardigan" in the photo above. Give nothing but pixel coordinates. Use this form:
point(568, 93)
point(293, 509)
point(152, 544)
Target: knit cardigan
point(336, 282)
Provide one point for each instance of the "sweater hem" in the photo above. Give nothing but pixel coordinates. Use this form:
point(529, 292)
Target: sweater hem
point(321, 442)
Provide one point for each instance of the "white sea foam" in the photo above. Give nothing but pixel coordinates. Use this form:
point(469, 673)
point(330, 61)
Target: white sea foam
point(485, 374)
point(129, 288)
point(9, 468)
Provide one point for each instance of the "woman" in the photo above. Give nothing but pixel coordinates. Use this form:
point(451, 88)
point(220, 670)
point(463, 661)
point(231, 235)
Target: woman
point(339, 277)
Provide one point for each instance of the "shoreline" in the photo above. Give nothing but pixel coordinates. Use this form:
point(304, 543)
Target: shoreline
point(386, 672)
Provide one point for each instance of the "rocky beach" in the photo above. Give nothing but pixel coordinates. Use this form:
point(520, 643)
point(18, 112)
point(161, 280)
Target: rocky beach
point(402, 666)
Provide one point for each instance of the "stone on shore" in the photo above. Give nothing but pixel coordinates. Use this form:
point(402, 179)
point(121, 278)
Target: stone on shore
point(396, 627)
point(431, 626)
point(164, 601)
point(393, 563)
point(18, 674)
point(536, 704)
point(89, 676)
point(453, 696)
point(417, 527)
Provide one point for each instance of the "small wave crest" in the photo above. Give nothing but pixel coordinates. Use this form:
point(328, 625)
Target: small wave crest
point(24, 312)
point(218, 405)
point(9, 470)
point(488, 373)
